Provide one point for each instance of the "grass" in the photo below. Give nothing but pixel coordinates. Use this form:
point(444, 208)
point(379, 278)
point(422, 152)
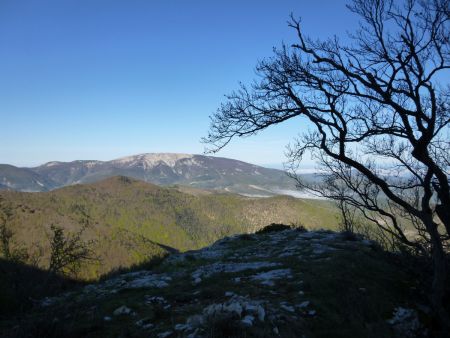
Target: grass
point(345, 287)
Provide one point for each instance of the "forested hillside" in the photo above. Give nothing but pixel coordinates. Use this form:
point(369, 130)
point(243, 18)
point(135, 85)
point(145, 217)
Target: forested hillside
point(131, 221)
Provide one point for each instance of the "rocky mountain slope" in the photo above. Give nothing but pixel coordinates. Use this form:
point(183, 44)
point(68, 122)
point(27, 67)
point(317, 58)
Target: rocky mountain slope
point(287, 283)
point(206, 172)
point(22, 179)
point(134, 221)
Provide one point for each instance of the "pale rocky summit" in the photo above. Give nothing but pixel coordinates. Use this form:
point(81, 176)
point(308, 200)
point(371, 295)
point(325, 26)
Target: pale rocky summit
point(150, 160)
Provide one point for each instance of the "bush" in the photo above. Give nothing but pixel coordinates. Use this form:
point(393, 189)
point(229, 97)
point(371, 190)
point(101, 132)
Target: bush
point(273, 228)
point(300, 228)
point(349, 236)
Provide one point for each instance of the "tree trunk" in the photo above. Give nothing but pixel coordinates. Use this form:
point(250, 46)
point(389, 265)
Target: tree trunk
point(443, 212)
point(440, 276)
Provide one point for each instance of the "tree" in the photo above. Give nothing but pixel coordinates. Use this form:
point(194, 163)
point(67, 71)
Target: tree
point(5, 233)
point(69, 251)
point(378, 112)
point(8, 250)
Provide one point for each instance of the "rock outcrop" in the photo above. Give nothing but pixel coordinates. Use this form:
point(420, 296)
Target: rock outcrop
point(275, 284)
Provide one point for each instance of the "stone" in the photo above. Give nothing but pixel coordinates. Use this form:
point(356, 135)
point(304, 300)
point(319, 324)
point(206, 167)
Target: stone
point(406, 322)
point(268, 277)
point(47, 301)
point(195, 321)
point(256, 309)
point(144, 323)
point(261, 313)
point(250, 307)
point(288, 308)
point(122, 310)
point(156, 300)
point(147, 281)
point(235, 307)
point(219, 267)
point(248, 320)
point(181, 327)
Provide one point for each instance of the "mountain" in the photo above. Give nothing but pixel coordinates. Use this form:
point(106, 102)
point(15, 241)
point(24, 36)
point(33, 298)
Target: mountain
point(205, 172)
point(23, 179)
point(133, 221)
point(287, 284)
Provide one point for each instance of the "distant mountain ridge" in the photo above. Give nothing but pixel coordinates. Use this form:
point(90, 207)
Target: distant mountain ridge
point(22, 179)
point(199, 171)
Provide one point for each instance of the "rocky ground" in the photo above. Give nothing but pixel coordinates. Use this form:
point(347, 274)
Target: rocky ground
point(287, 283)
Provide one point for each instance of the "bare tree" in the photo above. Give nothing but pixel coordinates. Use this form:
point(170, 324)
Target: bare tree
point(378, 112)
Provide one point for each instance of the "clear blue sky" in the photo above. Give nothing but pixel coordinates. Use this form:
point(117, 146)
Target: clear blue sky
point(101, 79)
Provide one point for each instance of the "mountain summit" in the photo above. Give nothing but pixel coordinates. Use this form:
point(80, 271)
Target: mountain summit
point(150, 160)
point(268, 284)
point(205, 172)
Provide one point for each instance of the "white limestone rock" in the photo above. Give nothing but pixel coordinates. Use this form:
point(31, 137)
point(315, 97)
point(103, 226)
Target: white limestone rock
point(122, 310)
point(268, 278)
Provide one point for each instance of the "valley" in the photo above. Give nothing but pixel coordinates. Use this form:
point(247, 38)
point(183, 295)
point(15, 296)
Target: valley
point(132, 221)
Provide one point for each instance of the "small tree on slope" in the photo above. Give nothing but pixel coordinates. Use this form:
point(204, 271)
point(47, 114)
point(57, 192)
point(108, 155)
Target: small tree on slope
point(378, 111)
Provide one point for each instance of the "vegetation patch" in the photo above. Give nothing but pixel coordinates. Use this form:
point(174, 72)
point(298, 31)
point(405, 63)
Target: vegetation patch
point(273, 227)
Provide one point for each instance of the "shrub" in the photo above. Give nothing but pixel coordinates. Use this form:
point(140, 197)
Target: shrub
point(273, 228)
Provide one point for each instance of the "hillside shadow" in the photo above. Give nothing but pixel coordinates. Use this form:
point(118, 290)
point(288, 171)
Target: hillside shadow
point(23, 286)
point(169, 249)
point(148, 264)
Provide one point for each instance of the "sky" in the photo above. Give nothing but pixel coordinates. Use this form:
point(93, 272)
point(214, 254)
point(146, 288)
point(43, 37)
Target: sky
point(102, 79)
